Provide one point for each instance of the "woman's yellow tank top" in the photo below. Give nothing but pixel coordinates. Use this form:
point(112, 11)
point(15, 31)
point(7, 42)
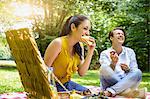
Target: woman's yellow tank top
point(65, 64)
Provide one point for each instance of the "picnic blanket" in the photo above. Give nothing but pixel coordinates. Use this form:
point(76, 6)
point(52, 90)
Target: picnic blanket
point(22, 95)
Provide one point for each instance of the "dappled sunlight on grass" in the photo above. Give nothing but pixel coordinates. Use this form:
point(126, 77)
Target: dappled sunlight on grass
point(87, 82)
point(145, 81)
point(91, 78)
point(9, 80)
point(7, 63)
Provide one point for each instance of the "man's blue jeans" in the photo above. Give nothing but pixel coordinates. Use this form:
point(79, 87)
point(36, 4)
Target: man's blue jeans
point(111, 82)
point(70, 85)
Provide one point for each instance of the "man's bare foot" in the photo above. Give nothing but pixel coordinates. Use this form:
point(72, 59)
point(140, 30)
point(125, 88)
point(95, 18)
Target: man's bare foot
point(107, 93)
point(134, 93)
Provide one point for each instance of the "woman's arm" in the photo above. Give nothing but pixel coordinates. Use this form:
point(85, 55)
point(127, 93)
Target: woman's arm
point(84, 66)
point(52, 51)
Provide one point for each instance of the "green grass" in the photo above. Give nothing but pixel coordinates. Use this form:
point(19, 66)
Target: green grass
point(10, 81)
point(91, 78)
point(145, 81)
point(7, 63)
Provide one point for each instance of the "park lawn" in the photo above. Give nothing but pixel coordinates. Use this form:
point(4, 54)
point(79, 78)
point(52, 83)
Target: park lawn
point(10, 82)
point(92, 78)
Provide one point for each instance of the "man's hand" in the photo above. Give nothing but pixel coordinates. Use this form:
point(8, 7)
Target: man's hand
point(125, 67)
point(114, 58)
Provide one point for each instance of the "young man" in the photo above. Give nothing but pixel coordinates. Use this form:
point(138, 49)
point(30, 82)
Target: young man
point(119, 73)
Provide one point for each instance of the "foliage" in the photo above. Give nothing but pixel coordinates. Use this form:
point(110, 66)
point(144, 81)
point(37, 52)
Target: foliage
point(139, 31)
point(4, 53)
point(7, 18)
point(132, 15)
point(43, 43)
point(55, 11)
point(4, 50)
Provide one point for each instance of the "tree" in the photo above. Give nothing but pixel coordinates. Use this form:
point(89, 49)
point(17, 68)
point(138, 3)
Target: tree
point(49, 25)
point(132, 15)
point(139, 30)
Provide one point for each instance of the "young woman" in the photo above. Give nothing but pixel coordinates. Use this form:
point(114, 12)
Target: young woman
point(66, 53)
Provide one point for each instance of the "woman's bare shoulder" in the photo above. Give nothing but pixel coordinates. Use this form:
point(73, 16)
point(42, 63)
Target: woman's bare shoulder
point(56, 42)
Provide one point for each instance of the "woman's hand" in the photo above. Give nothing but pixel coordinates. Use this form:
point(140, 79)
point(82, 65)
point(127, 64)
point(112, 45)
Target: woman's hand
point(86, 62)
point(92, 45)
point(90, 42)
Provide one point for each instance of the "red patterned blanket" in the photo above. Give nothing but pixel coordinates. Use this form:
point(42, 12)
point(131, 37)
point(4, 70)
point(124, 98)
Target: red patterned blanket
point(22, 95)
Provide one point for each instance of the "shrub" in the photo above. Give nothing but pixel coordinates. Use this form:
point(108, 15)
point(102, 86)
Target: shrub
point(4, 53)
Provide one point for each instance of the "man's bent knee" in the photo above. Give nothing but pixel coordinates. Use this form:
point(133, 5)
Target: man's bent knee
point(137, 73)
